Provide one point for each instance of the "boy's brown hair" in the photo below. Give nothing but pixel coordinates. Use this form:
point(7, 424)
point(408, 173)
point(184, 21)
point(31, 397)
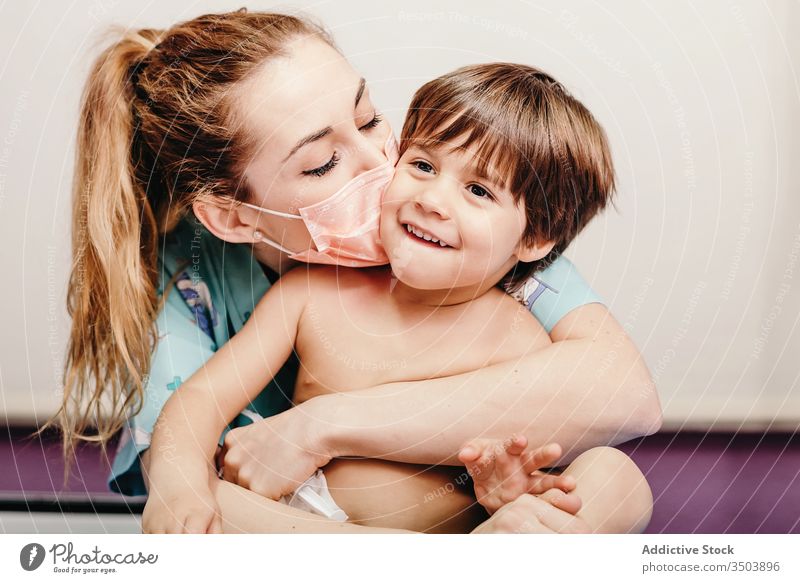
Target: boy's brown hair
point(551, 152)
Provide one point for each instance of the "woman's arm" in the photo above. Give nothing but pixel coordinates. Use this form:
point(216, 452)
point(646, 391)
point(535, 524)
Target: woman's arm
point(590, 387)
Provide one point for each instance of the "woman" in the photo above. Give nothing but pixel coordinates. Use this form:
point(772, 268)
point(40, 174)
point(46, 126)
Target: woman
point(180, 125)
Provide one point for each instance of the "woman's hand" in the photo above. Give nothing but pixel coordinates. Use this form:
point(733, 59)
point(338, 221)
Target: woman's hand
point(274, 456)
point(551, 513)
point(179, 504)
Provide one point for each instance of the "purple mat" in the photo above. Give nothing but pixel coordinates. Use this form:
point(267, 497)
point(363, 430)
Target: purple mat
point(702, 483)
point(36, 464)
point(721, 483)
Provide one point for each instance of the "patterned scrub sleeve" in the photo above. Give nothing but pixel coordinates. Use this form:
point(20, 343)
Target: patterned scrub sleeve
point(185, 343)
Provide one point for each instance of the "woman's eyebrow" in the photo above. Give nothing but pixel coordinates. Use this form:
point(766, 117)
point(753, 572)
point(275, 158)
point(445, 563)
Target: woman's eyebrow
point(318, 135)
point(360, 93)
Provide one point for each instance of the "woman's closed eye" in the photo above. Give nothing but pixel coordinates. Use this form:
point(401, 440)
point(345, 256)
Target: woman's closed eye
point(373, 123)
point(325, 168)
point(331, 164)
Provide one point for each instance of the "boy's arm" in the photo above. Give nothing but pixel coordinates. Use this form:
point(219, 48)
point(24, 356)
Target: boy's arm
point(189, 426)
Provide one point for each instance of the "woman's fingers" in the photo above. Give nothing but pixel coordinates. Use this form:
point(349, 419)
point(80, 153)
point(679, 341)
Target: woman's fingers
point(219, 459)
point(230, 458)
point(559, 513)
point(568, 503)
point(195, 524)
point(216, 525)
point(550, 513)
point(540, 483)
point(229, 473)
point(191, 524)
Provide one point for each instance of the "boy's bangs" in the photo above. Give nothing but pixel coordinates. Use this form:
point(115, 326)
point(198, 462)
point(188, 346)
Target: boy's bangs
point(496, 156)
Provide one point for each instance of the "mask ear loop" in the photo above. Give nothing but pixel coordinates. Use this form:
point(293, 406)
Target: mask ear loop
point(270, 211)
point(259, 237)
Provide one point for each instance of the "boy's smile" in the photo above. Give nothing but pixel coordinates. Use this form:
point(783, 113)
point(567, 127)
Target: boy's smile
point(424, 236)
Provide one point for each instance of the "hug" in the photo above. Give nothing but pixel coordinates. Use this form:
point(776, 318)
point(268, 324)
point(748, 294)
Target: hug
point(298, 323)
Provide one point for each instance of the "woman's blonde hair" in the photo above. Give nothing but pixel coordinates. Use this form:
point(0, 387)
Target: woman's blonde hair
point(157, 131)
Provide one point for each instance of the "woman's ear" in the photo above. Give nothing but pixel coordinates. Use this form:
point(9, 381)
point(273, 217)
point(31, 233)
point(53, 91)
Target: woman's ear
point(533, 252)
point(223, 221)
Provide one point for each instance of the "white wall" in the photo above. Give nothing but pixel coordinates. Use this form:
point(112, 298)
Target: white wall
point(702, 106)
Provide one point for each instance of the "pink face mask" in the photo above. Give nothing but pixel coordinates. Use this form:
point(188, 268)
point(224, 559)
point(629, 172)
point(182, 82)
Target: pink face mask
point(345, 226)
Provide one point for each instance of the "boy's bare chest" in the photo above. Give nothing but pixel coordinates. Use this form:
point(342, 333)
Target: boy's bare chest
point(360, 343)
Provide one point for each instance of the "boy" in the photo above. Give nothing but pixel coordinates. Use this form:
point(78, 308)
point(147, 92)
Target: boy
point(500, 169)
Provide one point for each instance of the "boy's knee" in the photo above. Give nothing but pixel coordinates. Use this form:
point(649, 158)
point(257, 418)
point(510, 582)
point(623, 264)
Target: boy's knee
point(608, 457)
point(610, 454)
point(623, 481)
point(615, 463)
point(616, 467)
point(630, 479)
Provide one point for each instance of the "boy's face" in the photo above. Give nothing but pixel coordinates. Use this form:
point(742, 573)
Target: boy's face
point(437, 194)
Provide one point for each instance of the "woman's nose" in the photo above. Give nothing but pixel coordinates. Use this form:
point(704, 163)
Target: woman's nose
point(370, 154)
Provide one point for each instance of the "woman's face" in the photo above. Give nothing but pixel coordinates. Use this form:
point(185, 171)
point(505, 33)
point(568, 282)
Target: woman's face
point(316, 128)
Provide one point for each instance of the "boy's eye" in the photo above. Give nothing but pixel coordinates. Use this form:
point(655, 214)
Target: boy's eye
point(325, 168)
point(376, 119)
point(422, 166)
point(479, 191)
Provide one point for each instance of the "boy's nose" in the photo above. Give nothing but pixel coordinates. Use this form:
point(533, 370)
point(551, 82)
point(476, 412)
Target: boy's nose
point(431, 200)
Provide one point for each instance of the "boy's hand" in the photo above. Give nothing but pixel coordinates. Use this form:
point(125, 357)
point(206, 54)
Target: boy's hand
point(502, 470)
point(188, 508)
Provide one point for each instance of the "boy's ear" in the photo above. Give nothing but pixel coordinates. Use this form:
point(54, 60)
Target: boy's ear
point(534, 252)
point(224, 222)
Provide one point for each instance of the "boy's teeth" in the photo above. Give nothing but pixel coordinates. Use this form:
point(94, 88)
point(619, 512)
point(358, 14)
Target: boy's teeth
point(426, 236)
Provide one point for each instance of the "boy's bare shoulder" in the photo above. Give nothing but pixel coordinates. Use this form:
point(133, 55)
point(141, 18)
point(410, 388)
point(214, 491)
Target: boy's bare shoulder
point(506, 311)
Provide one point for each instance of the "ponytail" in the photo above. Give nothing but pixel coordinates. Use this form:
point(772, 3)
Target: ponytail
point(157, 131)
point(112, 286)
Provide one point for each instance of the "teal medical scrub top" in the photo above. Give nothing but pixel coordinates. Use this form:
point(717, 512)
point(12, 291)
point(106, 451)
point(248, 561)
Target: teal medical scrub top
point(214, 286)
